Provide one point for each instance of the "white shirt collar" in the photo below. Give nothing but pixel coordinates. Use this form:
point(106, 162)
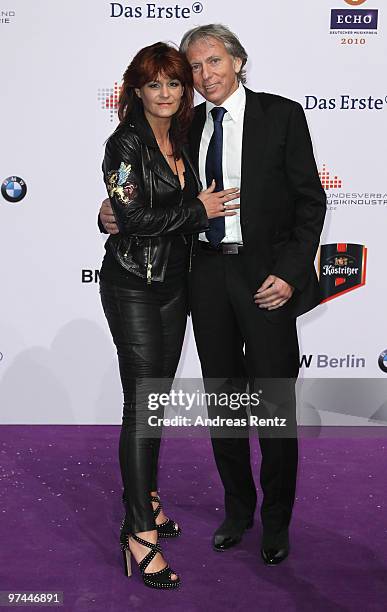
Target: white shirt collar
point(234, 105)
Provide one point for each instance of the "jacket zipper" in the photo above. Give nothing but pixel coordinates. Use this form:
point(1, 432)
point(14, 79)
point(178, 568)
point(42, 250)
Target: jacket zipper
point(190, 255)
point(200, 187)
point(149, 263)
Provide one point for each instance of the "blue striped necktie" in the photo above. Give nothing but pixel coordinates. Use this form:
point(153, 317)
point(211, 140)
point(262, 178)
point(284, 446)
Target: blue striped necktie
point(214, 170)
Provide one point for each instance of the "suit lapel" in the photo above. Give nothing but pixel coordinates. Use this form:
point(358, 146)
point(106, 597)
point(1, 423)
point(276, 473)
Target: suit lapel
point(195, 133)
point(253, 151)
point(189, 162)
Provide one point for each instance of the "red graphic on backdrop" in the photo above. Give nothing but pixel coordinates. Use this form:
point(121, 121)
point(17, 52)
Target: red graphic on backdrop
point(328, 181)
point(109, 99)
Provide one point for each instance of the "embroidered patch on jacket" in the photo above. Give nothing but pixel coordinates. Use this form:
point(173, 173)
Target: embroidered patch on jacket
point(118, 185)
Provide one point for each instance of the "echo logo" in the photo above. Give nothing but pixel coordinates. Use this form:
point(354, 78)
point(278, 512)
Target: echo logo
point(354, 19)
point(90, 276)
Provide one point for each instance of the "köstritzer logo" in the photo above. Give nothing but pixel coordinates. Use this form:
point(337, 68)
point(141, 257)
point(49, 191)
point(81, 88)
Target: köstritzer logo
point(342, 268)
point(382, 361)
point(355, 2)
point(13, 189)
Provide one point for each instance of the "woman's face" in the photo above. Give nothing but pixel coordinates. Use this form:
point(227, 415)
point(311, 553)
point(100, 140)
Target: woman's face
point(161, 98)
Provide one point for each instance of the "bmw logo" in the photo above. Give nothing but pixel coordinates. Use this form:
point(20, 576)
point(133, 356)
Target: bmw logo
point(382, 361)
point(13, 189)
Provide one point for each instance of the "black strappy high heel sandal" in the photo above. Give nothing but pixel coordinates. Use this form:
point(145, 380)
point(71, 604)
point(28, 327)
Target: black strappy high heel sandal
point(168, 529)
point(156, 580)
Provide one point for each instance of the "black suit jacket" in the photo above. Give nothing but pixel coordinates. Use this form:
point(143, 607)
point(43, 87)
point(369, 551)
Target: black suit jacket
point(282, 201)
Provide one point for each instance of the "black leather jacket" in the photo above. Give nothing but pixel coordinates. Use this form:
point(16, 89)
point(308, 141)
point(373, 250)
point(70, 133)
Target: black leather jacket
point(147, 200)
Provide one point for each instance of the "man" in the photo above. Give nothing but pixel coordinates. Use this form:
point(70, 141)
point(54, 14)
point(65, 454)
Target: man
point(253, 273)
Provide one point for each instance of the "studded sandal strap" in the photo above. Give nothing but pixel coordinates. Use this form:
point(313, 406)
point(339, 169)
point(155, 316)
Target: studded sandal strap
point(154, 549)
point(157, 511)
point(146, 560)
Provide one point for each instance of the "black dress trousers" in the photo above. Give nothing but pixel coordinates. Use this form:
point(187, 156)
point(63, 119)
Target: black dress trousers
point(238, 344)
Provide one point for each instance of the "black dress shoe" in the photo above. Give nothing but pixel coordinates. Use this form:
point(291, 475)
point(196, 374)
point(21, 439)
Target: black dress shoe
point(230, 533)
point(273, 556)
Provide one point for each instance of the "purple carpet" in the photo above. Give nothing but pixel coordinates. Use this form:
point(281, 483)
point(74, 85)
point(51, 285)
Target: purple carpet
point(61, 512)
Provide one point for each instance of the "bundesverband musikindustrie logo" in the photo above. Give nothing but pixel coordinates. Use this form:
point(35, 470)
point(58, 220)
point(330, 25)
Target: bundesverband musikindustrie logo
point(342, 268)
point(340, 195)
point(108, 97)
point(13, 189)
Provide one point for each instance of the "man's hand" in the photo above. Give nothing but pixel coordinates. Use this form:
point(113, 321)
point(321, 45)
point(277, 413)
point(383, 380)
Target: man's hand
point(273, 293)
point(107, 217)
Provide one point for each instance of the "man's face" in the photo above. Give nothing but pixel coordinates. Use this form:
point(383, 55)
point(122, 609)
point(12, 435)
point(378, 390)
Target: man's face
point(214, 70)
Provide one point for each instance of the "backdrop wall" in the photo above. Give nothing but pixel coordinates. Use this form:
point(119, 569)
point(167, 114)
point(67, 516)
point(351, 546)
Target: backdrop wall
point(62, 63)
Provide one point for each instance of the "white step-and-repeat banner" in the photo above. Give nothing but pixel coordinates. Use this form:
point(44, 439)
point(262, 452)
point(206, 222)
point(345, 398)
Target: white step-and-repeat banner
point(61, 67)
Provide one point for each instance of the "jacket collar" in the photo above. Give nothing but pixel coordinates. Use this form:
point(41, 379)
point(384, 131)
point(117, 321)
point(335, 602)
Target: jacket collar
point(160, 166)
point(234, 105)
point(253, 144)
point(137, 120)
point(253, 117)
point(156, 162)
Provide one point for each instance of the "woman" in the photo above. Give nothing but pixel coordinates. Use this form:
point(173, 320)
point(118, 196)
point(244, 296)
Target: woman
point(154, 192)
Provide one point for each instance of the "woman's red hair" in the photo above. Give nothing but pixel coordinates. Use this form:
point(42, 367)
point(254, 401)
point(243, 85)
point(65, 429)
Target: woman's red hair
point(145, 67)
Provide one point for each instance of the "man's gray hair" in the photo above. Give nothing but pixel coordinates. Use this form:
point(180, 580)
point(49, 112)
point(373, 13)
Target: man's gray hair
point(222, 33)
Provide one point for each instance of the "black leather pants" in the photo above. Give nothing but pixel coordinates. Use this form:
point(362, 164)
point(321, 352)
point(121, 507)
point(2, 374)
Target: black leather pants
point(147, 323)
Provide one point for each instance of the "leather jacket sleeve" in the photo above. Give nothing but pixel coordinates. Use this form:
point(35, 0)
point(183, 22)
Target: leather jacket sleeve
point(135, 213)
